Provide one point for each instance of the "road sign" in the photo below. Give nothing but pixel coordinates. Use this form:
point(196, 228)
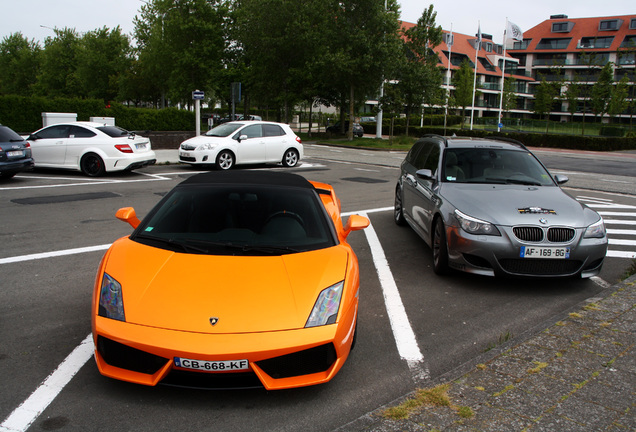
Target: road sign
point(198, 95)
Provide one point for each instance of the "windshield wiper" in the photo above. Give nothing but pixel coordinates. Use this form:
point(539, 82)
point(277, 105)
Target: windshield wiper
point(523, 182)
point(185, 247)
point(268, 249)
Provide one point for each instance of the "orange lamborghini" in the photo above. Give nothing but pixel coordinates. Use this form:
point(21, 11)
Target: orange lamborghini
point(235, 279)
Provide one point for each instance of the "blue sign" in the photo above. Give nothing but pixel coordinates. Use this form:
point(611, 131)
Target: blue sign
point(198, 94)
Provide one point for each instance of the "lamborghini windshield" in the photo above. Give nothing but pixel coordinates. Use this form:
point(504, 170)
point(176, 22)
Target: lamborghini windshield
point(225, 219)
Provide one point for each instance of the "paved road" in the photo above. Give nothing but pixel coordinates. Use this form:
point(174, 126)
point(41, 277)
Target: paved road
point(60, 223)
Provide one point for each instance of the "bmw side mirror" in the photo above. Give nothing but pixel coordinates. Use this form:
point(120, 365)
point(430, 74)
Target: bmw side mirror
point(426, 174)
point(560, 179)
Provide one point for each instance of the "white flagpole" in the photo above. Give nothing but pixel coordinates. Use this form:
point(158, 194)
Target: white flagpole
point(448, 74)
point(477, 48)
point(503, 70)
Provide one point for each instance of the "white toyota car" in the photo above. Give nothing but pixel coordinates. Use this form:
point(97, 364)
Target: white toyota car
point(90, 147)
point(243, 142)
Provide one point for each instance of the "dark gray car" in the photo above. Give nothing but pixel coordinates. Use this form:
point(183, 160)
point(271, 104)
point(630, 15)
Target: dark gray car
point(15, 154)
point(490, 207)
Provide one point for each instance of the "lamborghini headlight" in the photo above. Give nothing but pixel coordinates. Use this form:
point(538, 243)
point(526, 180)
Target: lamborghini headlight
point(596, 230)
point(325, 310)
point(111, 301)
point(476, 226)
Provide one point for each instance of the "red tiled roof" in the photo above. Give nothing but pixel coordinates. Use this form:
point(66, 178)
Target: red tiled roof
point(464, 44)
point(583, 28)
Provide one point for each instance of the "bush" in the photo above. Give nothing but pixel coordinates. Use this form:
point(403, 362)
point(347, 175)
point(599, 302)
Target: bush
point(612, 131)
point(24, 114)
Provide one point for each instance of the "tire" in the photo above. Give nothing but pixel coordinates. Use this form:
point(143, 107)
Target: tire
point(225, 160)
point(7, 176)
point(92, 165)
point(290, 158)
point(398, 209)
point(440, 249)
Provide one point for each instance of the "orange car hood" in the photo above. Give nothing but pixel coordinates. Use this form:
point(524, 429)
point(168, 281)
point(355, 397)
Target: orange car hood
point(246, 294)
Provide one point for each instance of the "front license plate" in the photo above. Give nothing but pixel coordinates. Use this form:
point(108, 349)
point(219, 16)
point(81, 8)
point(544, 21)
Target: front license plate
point(212, 366)
point(184, 154)
point(545, 252)
point(17, 153)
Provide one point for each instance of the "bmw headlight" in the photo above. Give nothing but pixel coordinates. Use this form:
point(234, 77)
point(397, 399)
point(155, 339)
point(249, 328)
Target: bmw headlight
point(476, 226)
point(596, 230)
point(207, 146)
point(325, 310)
point(111, 301)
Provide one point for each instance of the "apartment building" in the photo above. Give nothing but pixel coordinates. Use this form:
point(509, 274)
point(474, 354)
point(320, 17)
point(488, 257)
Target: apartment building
point(565, 50)
point(559, 49)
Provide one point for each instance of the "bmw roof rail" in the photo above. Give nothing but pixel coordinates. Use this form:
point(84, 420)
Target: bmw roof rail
point(510, 140)
point(443, 138)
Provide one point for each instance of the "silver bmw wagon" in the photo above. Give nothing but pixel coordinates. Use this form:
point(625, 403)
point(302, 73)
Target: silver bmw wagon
point(490, 207)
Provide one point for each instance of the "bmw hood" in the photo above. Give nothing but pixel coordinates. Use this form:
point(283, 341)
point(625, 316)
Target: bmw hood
point(510, 205)
point(184, 292)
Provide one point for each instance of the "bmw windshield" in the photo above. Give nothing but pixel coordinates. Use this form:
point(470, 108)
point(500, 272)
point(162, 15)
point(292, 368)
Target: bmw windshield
point(494, 166)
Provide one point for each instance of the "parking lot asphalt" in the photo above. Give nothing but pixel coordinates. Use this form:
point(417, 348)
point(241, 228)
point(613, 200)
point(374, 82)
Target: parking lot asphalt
point(577, 373)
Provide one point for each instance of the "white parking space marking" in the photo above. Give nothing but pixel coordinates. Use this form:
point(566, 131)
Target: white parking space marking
point(621, 218)
point(405, 339)
point(42, 255)
point(24, 415)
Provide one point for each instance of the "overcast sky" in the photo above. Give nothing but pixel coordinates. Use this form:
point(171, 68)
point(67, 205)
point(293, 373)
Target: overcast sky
point(36, 18)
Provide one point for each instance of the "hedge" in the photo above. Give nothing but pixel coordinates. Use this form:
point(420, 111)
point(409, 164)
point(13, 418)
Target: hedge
point(24, 114)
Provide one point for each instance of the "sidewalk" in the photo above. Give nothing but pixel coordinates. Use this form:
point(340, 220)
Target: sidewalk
point(577, 375)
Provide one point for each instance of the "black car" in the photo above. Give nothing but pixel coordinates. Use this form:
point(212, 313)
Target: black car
point(15, 153)
point(358, 130)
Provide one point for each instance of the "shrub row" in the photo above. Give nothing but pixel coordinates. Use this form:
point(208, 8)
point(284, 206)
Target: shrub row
point(24, 114)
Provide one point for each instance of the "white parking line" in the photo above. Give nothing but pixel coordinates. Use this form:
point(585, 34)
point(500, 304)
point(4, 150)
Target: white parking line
point(52, 254)
point(24, 415)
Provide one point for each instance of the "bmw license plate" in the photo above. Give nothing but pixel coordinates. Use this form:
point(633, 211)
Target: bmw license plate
point(15, 153)
point(545, 252)
point(212, 366)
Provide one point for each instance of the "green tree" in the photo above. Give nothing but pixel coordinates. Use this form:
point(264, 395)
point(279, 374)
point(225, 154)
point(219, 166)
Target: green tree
point(419, 78)
point(618, 99)
point(59, 63)
point(363, 41)
point(463, 82)
point(181, 45)
point(572, 94)
point(103, 57)
point(544, 98)
point(602, 90)
point(509, 95)
point(19, 65)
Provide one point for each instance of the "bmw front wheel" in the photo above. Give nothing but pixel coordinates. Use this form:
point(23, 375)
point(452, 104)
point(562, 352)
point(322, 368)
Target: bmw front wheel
point(398, 209)
point(440, 248)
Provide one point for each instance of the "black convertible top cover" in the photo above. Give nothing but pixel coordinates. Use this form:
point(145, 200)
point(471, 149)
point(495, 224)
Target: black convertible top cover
point(262, 178)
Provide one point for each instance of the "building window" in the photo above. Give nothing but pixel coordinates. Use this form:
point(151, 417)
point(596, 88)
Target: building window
point(488, 46)
point(548, 43)
point(629, 42)
point(596, 42)
point(614, 24)
point(632, 24)
point(562, 27)
point(522, 45)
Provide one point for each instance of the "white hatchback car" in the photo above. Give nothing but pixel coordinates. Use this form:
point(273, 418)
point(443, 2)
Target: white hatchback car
point(243, 142)
point(90, 147)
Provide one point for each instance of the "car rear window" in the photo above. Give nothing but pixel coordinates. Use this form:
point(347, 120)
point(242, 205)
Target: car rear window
point(8, 135)
point(113, 131)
